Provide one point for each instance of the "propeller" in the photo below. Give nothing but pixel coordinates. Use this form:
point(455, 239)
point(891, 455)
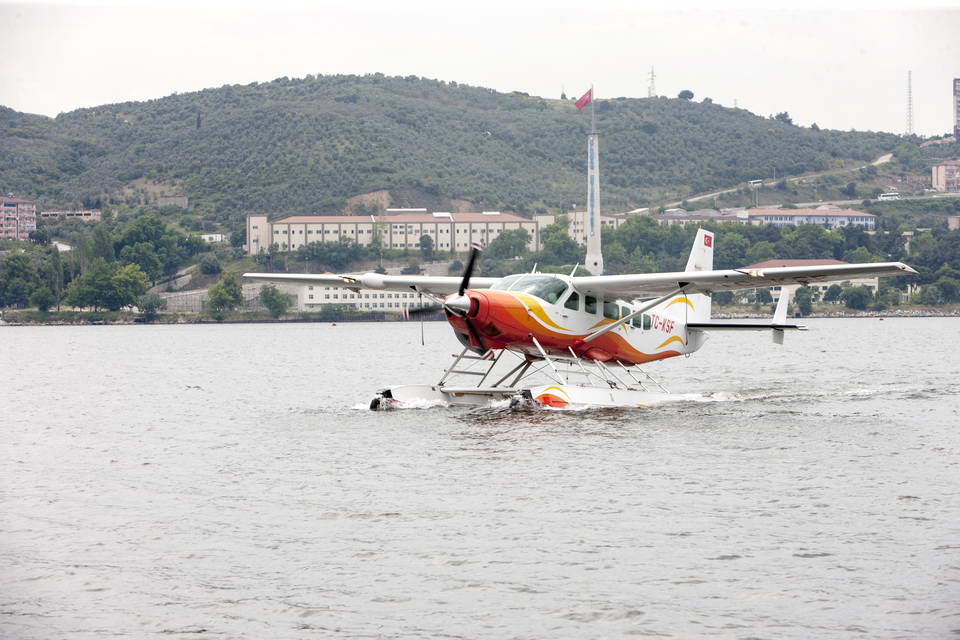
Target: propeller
point(468, 270)
point(459, 304)
point(464, 310)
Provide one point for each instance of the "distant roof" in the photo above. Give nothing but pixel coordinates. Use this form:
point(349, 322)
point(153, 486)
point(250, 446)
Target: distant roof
point(816, 262)
point(399, 218)
point(807, 212)
point(18, 200)
point(951, 163)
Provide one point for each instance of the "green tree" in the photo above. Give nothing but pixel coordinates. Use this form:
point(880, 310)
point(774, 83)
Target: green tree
point(42, 298)
point(931, 295)
point(722, 297)
point(763, 295)
point(426, 247)
point(731, 251)
point(224, 296)
point(277, 302)
point(760, 252)
point(784, 117)
point(508, 245)
point(804, 300)
point(144, 256)
point(128, 283)
point(150, 305)
point(860, 255)
point(833, 293)
point(949, 289)
point(411, 269)
point(18, 279)
point(887, 297)
point(558, 247)
point(103, 244)
point(857, 297)
point(107, 285)
point(209, 265)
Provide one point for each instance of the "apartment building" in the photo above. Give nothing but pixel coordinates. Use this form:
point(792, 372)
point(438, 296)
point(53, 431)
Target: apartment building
point(17, 218)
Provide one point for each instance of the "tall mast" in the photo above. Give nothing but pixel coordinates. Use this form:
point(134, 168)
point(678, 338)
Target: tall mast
point(594, 263)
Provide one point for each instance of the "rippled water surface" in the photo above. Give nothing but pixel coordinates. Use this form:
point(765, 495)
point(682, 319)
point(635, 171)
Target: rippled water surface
point(226, 481)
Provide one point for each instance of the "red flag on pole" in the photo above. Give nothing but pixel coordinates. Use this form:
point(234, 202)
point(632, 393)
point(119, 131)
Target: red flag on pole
point(585, 99)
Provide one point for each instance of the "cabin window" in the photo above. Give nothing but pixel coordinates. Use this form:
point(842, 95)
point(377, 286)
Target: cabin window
point(573, 302)
point(505, 283)
point(590, 304)
point(547, 288)
point(646, 322)
point(637, 322)
point(611, 310)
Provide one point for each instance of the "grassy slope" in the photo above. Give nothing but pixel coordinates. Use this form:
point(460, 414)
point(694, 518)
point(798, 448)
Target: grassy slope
point(297, 146)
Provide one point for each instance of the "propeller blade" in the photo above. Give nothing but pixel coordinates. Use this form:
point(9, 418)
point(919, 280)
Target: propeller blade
point(468, 270)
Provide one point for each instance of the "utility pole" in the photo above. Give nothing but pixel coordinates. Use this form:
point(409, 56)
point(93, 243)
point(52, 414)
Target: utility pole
point(652, 86)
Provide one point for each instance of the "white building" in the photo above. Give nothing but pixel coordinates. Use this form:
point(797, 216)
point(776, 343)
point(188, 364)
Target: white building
point(578, 223)
point(402, 230)
point(312, 297)
point(826, 216)
point(213, 238)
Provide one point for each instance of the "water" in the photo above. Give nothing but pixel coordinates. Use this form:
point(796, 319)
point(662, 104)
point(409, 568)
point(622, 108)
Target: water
point(225, 481)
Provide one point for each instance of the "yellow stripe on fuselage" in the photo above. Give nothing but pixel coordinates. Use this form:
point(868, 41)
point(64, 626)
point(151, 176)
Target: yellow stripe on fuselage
point(682, 299)
point(536, 309)
point(671, 339)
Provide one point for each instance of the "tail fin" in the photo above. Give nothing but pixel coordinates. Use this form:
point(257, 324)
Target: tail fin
point(701, 259)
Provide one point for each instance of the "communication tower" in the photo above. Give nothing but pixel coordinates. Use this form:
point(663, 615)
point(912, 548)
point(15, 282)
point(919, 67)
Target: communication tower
point(956, 108)
point(594, 258)
point(909, 103)
point(652, 87)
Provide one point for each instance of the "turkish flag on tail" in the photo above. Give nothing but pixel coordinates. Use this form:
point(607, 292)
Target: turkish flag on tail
point(585, 99)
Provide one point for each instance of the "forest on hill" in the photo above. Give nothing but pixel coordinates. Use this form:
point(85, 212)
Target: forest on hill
point(308, 145)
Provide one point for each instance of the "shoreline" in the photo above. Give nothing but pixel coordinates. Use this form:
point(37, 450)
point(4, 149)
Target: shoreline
point(73, 318)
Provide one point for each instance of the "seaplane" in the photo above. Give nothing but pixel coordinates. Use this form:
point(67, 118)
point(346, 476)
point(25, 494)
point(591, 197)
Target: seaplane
point(568, 341)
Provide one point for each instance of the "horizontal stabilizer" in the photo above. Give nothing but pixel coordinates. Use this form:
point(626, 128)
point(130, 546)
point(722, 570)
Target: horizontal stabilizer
point(742, 326)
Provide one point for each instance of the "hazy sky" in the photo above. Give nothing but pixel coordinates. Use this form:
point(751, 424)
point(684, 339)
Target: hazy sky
point(840, 68)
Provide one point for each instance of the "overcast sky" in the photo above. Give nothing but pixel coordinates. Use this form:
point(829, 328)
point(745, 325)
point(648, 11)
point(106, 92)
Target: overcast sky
point(840, 68)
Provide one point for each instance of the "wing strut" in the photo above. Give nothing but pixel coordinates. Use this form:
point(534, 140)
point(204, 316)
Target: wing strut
point(644, 307)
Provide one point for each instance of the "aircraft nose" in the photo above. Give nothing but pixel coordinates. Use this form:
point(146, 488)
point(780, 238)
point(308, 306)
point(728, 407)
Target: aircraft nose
point(456, 304)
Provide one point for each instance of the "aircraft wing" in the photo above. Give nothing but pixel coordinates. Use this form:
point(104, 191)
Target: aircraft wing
point(651, 285)
point(438, 285)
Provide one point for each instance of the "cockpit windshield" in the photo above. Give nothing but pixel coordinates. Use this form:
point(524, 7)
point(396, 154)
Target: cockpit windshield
point(545, 287)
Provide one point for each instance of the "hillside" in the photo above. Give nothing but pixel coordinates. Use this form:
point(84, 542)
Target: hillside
point(307, 145)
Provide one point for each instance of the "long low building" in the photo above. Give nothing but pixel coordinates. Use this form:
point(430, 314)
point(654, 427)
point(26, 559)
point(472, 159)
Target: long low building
point(449, 231)
point(85, 215)
point(825, 216)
